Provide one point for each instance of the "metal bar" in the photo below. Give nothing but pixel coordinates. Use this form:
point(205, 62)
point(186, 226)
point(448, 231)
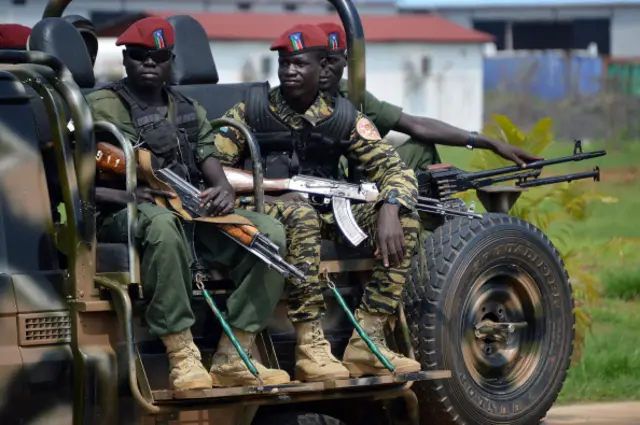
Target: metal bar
point(356, 51)
point(55, 8)
point(531, 165)
point(227, 330)
point(72, 206)
point(122, 298)
point(256, 156)
point(65, 85)
point(359, 329)
point(561, 179)
point(132, 207)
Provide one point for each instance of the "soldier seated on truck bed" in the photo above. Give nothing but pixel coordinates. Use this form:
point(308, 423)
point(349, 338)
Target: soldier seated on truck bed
point(418, 151)
point(165, 122)
point(323, 129)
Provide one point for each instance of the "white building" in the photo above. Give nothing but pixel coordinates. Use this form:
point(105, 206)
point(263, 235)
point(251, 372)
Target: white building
point(613, 25)
point(428, 65)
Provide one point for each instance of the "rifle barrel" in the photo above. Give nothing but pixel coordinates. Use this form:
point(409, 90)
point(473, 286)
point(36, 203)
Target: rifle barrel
point(560, 179)
point(532, 165)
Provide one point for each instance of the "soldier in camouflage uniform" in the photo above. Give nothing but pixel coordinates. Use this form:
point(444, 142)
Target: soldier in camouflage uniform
point(166, 123)
point(297, 111)
point(418, 152)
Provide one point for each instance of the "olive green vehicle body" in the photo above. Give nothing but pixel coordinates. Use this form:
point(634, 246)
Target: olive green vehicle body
point(73, 344)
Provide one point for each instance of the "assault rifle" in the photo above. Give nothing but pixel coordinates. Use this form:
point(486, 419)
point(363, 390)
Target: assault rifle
point(323, 192)
point(442, 180)
point(110, 159)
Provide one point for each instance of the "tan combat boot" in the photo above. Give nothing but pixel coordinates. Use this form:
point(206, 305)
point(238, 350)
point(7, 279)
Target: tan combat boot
point(228, 369)
point(361, 361)
point(314, 361)
point(185, 362)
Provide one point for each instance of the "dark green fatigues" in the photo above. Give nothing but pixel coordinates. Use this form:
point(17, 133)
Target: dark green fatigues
point(165, 254)
point(385, 116)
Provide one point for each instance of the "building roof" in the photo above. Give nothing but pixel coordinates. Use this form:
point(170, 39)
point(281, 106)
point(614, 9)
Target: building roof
point(247, 26)
point(473, 4)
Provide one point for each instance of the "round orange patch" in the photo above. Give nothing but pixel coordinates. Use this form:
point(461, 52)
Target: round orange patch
point(367, 130)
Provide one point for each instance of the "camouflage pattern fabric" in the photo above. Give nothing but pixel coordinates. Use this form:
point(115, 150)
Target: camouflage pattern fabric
point(379, 161)
point(383, 291)
point(380, 164)
point(302, 229)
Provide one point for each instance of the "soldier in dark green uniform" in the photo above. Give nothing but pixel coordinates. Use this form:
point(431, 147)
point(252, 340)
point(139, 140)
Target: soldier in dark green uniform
point(161, 120)
point(299, 130)
point(418, 151)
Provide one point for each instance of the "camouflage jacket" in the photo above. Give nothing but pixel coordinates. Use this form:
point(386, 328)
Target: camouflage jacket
point(378, 159)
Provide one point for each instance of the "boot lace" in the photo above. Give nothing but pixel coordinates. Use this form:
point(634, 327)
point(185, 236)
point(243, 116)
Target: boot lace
point(320, 348)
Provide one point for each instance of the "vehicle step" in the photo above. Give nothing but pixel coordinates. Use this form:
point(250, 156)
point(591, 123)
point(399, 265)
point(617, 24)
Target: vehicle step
point(167, 396)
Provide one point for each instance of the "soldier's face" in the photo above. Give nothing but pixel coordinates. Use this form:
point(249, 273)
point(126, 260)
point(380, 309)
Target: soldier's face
point(300, 74)
point(332, 71)
point(148, 68)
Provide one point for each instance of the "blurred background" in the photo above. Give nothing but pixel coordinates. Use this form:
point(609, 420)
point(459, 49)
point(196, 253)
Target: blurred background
point(537, 73)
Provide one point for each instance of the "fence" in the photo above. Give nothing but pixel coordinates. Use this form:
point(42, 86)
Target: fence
point(587, 96)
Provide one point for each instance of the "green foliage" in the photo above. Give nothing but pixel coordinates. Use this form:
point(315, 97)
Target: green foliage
point(554, 209)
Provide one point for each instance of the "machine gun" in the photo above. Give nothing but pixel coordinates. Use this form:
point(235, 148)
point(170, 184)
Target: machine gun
point(110, 159)
point(323, 192)
point(442, 181)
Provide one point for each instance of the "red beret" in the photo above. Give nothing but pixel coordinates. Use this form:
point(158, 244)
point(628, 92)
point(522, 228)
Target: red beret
point(300, 39)
point(336, 36)
point(14, 36)
point(152, 33)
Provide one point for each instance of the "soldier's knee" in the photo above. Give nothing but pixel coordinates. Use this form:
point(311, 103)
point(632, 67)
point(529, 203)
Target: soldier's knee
point(165, 229)
point(304, 212)
point(274, 230)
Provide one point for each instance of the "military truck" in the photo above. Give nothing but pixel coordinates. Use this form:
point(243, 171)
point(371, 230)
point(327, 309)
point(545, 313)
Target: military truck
point(487, 310)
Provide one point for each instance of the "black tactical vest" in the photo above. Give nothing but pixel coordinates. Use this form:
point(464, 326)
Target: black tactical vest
point(313, 151)
point(172, 145)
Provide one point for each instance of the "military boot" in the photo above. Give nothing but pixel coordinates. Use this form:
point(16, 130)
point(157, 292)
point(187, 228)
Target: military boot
point(360, 360)
point(185, 362)
point(228, 369)
point(314, 361)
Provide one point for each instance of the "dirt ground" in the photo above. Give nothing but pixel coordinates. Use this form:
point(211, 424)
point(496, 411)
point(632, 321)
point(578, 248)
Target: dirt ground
point(595, 414)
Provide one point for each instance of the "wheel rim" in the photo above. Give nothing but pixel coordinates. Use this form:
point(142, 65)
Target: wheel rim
point(502, 329)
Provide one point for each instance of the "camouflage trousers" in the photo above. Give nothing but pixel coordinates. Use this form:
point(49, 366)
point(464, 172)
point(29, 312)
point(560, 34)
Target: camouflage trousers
point(305, 229)
point(302, 229)
point(382, 293)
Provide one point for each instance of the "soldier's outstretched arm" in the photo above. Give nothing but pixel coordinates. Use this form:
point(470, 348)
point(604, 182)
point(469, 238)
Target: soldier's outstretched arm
point(439, 132)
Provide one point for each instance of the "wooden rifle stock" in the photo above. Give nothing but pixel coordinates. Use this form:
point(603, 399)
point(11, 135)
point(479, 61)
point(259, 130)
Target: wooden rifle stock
point(242, 181)
point(110, 159)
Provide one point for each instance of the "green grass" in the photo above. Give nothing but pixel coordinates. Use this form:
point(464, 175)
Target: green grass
point(610, 366)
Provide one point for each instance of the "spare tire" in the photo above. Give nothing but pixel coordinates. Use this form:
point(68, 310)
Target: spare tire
point(498, 269)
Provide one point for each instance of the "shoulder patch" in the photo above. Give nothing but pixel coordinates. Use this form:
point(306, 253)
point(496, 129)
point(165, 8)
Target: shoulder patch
point(366, 129)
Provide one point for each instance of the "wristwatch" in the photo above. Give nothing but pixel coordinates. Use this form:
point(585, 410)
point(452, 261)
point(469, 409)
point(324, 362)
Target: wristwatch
point(471, 141)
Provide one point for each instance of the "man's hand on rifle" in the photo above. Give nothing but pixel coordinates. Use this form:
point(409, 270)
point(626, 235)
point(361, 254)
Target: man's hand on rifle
point(512, 153)
point(218, 200)
point(391, 242)
point(146, 194)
